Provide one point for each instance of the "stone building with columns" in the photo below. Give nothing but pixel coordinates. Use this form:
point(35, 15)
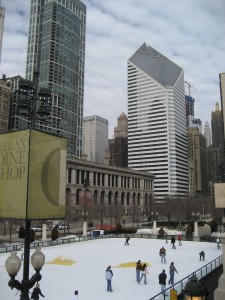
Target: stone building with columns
point(116, 192)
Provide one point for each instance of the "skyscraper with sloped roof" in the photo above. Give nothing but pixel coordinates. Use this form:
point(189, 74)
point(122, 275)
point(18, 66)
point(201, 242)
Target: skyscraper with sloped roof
point(157, 138)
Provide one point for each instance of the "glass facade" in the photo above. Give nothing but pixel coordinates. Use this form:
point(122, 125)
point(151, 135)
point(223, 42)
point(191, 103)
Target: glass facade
point(56, 45)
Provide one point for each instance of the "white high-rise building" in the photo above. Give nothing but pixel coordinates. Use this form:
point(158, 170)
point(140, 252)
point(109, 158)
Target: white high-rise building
point(157, 137)
point(207, 134)
point(95, 138)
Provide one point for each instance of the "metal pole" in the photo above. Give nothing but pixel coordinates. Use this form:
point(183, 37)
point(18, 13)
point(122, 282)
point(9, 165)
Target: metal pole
point(25, 281)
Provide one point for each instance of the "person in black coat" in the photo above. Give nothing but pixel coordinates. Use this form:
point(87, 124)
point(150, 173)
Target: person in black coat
point(162, 281)
point(173, 242)
point(36, 292)
point(202, 255)
point(127, 238)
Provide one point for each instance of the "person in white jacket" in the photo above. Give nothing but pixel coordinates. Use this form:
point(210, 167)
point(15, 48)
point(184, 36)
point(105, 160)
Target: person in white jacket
point(144, 272)
point(108, 277)
point(218, 243)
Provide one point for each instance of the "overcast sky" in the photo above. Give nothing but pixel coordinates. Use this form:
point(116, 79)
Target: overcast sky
point(191, 33)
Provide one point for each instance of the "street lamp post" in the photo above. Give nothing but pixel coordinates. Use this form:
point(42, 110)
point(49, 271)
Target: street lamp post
point(27, 96)
point(13, 264)
point(86, 185)
point(194, 289)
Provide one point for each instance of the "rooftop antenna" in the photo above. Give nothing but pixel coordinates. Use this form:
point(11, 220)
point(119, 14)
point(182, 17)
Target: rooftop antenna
point(189, 87)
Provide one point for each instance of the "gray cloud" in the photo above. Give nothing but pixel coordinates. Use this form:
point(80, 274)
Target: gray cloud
point(188, 32)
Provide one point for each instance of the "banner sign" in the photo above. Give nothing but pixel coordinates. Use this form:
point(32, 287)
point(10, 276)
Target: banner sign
point(85, 198)
point(219, 195)
point(173, 294)
point(32, 175)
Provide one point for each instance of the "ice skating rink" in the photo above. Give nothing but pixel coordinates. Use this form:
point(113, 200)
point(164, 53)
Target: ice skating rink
point(82, 266)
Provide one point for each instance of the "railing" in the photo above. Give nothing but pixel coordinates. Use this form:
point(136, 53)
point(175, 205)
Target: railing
point(200, 273)
point(65, 240)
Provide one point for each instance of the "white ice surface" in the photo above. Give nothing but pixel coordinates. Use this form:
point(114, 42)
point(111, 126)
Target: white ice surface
point(87, 273)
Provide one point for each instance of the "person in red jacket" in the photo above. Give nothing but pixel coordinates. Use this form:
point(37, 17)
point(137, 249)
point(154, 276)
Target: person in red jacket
point(179, 237)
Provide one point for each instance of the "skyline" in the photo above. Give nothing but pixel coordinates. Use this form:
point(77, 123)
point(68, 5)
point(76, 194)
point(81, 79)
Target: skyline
point(195, 43)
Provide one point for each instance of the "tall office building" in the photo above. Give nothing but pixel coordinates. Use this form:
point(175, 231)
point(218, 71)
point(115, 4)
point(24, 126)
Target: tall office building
point(95, 138)
point(194, 122)
point(216, 161)
point(5, 93)
point(217, 127)
point(119, 145)
point(222, 97)
point(56, 48)
point(197, 157)
point(207, 134)
point(189, 104)
point(157, 137)
point(2, 17)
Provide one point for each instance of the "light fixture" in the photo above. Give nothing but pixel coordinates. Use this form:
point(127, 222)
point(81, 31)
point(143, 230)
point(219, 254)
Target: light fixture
point(194, 289)
point(37, 259)
point(13, 264)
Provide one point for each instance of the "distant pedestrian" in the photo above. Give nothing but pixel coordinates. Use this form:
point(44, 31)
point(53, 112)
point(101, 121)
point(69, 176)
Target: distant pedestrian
point(173, 242)
point(179, 237)
point(166, 237)
point(138, 270)
point(75, 297)
point(22, 253)
point(36, 292)
point(108, 277)
point(144, 272)
point(202, 255)
point(218, 243)
point(172, 270)
point(162, 281)
point(162, 253)
point(127, 238)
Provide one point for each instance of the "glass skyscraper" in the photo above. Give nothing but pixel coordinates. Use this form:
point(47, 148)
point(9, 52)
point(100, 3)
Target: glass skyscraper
point(56, 46)
point(2, 17)
point(157, 138)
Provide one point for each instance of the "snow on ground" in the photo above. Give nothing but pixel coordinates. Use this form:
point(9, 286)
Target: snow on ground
point(82, 266)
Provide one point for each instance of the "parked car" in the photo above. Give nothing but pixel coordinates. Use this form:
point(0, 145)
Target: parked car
point(37, 228)
point(145, 220)
point(63, 226)
point(96, 233)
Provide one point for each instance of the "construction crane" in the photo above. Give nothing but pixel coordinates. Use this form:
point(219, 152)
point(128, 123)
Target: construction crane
point(189, 87)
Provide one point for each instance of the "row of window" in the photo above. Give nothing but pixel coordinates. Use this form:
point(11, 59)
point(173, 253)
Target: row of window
point(109, 180)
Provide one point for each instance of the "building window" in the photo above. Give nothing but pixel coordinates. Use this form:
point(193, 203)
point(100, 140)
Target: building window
point(99, 179)
point(128, 199)
point(69, 175)
point(103, 179)
point(77, 176)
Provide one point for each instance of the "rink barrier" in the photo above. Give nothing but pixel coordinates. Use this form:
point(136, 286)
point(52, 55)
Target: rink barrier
point(180, 285)
point(62, 241)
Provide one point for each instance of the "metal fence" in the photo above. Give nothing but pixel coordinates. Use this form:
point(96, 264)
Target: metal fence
point(178, 286)
point(200, 273)
point(73, 239)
